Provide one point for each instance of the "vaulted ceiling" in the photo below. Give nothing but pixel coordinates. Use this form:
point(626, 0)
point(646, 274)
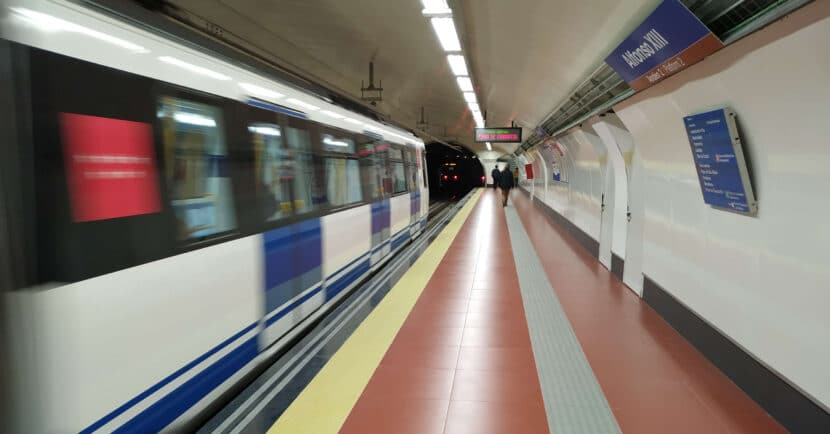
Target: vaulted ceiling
point(525, 56)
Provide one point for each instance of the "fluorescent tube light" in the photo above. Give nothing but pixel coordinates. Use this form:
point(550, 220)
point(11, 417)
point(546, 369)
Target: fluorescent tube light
point(474, 107)
point(435, 7)
point(470, 97)
point(260, 91)
point(194, 68)
point(445, 29)
point(465, 84)
point(489, 146)
point(303, 104)
point(352, 121)
point(457, 64)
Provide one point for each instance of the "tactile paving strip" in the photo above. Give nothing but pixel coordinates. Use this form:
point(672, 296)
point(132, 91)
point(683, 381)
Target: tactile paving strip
point(574, 401)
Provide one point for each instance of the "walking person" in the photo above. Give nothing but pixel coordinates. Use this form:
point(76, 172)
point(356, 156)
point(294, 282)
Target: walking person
point(506, 183)
point(495, 174)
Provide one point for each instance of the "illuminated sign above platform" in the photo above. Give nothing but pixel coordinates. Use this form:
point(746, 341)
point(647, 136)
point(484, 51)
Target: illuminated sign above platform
point(498, 135)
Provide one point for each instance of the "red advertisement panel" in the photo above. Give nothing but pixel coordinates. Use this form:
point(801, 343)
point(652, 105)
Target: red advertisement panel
point(529, 171)
point(110, 167)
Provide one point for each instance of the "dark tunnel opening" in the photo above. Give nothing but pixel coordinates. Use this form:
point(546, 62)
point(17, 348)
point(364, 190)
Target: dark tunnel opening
point(452, 172)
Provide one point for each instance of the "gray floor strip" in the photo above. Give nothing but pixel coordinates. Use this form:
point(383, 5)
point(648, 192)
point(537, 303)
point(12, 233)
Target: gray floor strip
point(574, 401)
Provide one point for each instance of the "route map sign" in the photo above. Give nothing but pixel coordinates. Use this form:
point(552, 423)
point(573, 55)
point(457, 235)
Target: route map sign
point(498, 135)
point(668, 41)
point(719, 159)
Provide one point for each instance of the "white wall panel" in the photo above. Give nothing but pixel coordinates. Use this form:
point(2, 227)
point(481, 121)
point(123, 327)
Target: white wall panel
point(761, 280)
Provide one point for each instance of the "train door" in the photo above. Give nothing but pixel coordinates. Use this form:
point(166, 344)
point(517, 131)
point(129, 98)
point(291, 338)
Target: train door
point(375, 172)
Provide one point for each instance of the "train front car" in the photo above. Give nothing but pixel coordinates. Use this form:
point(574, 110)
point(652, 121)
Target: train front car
point(176, 219)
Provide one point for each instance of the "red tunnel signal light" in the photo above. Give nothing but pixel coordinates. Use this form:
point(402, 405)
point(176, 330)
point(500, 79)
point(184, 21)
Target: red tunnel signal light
point(455, 177)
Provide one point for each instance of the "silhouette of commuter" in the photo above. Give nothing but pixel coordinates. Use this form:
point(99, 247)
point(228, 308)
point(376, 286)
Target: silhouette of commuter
point(495, 174)
point(506, 183)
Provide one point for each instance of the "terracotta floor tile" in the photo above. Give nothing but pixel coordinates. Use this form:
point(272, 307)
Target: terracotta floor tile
point(430, 336)
point(496, 386)
point(446, 319)
point(385, 415)
point(436, 357)
point(494, 336)
point(407, 379)
point(512, 359)
point(476, 417)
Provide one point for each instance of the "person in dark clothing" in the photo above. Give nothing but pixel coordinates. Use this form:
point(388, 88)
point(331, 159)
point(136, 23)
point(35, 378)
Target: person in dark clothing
point(505, 183)
point(495, 174)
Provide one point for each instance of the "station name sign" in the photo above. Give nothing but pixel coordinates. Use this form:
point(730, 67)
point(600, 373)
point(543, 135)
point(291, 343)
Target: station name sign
point(669, 40)
point(497, 135)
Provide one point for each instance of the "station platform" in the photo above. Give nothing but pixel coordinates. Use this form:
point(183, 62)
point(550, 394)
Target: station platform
point(505, 324)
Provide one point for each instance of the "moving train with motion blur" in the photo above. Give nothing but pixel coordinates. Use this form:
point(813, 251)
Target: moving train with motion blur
point(169, 220)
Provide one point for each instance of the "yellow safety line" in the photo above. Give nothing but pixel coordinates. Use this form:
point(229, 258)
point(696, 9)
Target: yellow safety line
point(323, 406)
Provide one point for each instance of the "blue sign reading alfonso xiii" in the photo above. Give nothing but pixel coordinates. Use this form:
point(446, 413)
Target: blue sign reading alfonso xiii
point(669, 40)
point(719, 158)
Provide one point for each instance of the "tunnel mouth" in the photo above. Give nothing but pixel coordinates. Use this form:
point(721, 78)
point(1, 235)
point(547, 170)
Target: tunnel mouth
point(452, 171)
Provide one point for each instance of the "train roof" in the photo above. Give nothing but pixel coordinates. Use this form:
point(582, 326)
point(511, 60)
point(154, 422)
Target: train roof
point(78, 32)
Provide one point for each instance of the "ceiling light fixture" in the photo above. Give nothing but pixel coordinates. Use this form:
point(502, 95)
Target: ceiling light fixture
point(457, 64)
point(465, 84)
point(474, 107)
point(470, 97)
point(194, 68)
point(489, 146)
point(435, 7)
point(303, 104)
point(445, 29)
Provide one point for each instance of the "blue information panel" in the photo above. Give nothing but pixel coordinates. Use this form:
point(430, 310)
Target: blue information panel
point(721, 168)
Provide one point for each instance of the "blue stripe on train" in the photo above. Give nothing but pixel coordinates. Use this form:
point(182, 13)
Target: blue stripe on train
point(381, 215)
point(293, 306)
point(129, 404)
point(167, 409)
point(335, 287)
point(400, 239)
point(415, 204)
point(293, 261)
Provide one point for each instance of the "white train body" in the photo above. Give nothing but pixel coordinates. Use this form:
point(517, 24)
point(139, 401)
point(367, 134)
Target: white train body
point(137, 323)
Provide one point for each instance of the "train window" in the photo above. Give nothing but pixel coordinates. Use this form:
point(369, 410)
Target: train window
point(342, 171)
point(272, 170)
point(196, 172)
point(338, 144)
point(398, 171)
point(412, 169)
point(299, 171)
point(399, 177)
point(371, 170)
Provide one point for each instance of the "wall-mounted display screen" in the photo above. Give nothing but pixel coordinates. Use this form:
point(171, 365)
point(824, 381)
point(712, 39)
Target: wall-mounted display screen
point(719, 159)
point(498, 135)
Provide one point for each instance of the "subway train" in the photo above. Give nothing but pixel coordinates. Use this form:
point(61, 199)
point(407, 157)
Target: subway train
point(174, 219)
